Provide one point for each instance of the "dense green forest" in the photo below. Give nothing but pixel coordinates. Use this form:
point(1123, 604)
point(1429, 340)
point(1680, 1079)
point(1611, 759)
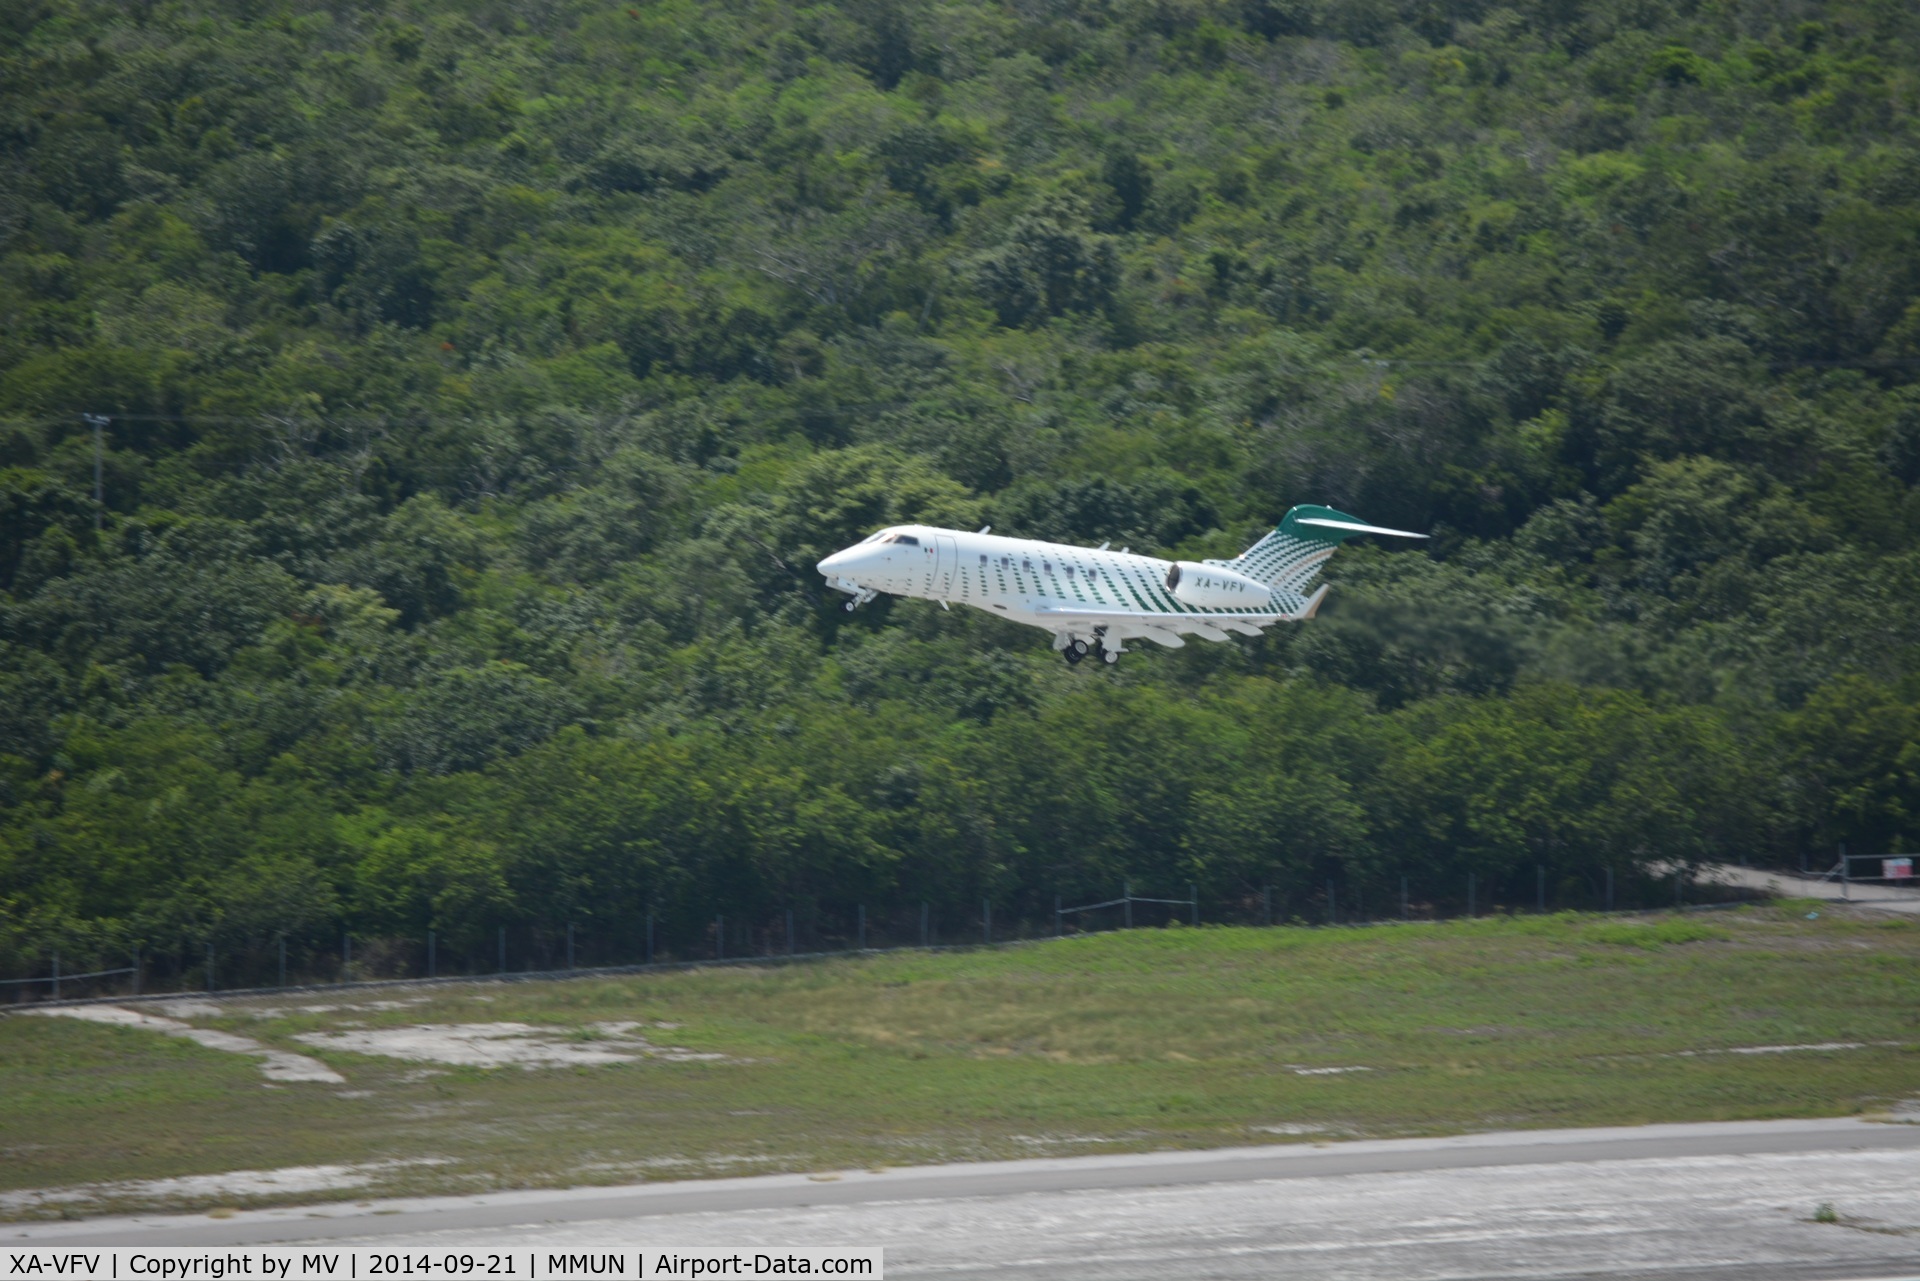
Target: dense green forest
point(483, 379)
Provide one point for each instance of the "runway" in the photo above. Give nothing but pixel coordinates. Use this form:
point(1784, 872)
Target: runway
point(1705, 1202)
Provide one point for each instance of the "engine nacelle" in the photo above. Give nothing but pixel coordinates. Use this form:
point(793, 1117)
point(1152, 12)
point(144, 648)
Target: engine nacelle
point(1211, 587)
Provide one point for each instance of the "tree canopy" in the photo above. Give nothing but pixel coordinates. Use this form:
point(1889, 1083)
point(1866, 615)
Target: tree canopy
point(482, 381)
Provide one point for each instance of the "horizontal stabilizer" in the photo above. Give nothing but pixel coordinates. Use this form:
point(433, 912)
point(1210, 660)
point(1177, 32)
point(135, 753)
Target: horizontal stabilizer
point(1354, 527)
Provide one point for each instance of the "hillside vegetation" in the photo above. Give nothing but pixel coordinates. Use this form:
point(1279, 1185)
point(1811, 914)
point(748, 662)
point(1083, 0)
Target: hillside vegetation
point(485, 378)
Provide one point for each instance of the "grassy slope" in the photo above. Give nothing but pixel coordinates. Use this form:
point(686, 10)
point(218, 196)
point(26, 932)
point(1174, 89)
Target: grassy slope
point(1140, 1040)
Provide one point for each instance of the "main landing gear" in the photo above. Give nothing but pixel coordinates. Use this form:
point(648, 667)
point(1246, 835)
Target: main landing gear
point(1076, 649)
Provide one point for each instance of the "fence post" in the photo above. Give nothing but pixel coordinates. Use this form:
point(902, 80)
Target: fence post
point(1470, 903)
point(863, 927)
point(926, 935)
point(1403, 898)
point(1126, 892)
point(56, 976)
point(433, 966)
point(986, 921)
point(283, 960)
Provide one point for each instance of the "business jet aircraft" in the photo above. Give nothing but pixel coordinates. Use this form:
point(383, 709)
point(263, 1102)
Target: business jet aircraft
point(1094, 600)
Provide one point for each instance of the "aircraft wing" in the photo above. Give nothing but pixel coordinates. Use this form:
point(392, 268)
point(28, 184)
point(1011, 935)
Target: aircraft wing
point(1212, 626)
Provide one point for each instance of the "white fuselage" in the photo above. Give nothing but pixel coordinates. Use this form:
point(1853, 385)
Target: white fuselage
point(1020, 579)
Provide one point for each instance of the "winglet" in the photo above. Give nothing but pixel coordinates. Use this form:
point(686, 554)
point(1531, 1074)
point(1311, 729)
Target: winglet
point(1313, 604)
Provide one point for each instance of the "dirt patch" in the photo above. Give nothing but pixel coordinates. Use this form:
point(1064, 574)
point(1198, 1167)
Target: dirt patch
point(1780, 1049)
point(188, 1009)
point(232, 1185)
point(275, 1065)
point(493, 1045)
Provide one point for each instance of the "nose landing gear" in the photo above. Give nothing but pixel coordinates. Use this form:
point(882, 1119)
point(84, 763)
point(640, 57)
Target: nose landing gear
point(860, 598)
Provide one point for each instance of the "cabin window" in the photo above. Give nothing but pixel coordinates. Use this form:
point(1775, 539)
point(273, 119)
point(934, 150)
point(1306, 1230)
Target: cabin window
point(983, 560)
point(1027, 565)
point(1047, 565)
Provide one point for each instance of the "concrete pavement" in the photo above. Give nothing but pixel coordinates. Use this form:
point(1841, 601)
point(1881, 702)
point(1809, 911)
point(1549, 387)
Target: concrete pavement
point(1710, 1202)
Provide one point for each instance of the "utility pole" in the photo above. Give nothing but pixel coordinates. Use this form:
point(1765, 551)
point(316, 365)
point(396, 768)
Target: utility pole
point(99, 423)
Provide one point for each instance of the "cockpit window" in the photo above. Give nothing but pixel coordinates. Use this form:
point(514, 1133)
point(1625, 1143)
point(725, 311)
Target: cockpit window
point(908, 539)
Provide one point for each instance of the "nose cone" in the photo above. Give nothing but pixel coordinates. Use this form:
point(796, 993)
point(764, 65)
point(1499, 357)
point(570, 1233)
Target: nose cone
point(837, 563)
